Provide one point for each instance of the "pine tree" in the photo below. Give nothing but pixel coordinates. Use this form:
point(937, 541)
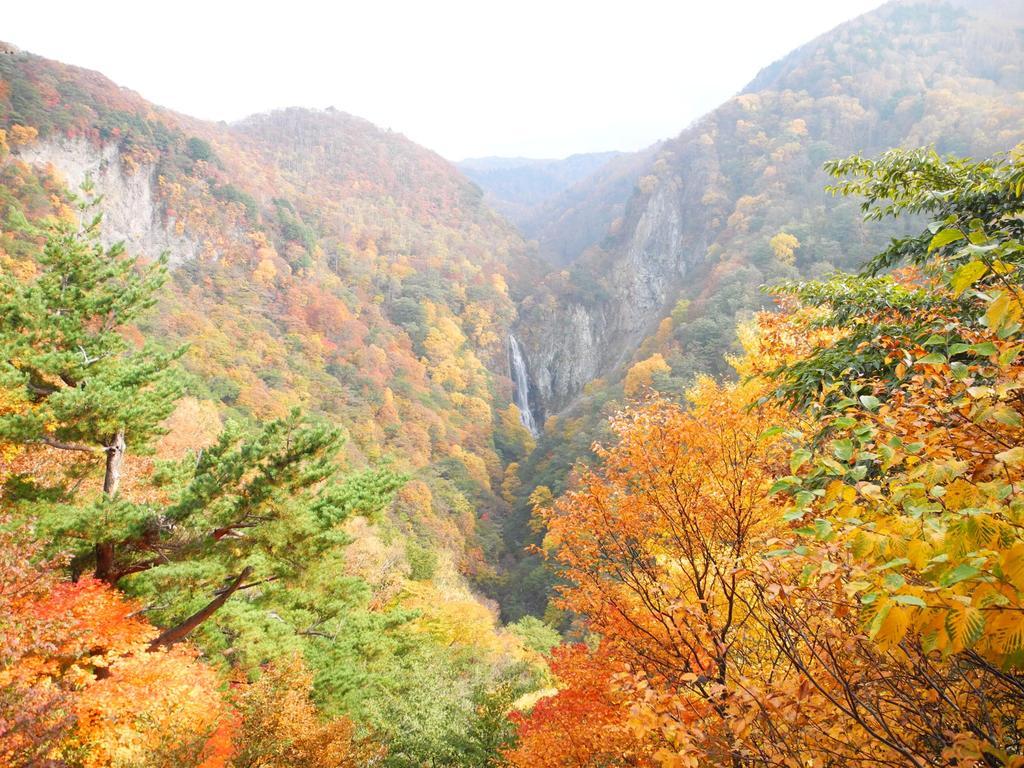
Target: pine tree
point(256, 508)
point(63, 352)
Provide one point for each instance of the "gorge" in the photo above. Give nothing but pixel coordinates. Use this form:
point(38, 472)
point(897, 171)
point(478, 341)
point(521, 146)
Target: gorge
point(492, 463)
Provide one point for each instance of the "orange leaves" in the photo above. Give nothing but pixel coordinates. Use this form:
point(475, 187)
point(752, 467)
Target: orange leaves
point(78, 686)
point(641, 375)
point(78, 679)
point(657, 547)
point(278, 725)
point(153, 708)
point(92, 626)
point(585, 724)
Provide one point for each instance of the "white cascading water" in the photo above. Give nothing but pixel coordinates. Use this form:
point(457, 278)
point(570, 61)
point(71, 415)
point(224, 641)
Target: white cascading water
point(521, 390)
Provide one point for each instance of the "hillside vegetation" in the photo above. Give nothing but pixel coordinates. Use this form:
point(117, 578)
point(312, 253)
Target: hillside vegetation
point(266, 499)
point(738, 200)
point(517, 187)
point(319, 263)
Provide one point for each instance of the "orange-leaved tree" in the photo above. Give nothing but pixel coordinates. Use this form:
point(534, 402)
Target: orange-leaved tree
point(585, 723)
point(909, 483)
point(659, 545)
point(278, 725)
point(78, 685)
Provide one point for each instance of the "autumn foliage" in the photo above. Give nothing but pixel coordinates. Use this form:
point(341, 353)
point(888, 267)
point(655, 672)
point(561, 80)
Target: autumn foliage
point(821, 565)
point(79, 685)
point(585, 723)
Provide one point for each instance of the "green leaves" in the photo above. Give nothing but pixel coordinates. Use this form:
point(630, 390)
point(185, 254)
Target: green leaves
point(799, 457)
point(935, 358)
point(61, 334)
point(959, 573)
point(913, 600)
point(870, 402)
point(843, 449)
point(945, 237)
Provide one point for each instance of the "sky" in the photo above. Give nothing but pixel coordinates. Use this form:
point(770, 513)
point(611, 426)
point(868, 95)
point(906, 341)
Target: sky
point(531, 78)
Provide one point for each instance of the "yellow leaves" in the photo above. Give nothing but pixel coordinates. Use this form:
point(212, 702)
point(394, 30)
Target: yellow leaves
point(1005, 310)
point(499, 284)
point(21, 135)
point(1013, 457)
point(278, 724)
point(838, 491)
point(1012, 566)
point(890, 624)
point(964, 625)
point(511, 430)
point(961, 494)
point(265, 272)
point(667, 758)
point(474, 464)
point(647, 184)
point(641, 375)
point(784, 246)
point(967, 275)
point(918, 553)
point(454, 616)
point(511, 483)
point(1006, 631)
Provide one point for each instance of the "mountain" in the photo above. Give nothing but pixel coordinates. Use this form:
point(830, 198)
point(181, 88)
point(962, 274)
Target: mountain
point(319, 262)
point(581, 215)
point(290, 584)
point(519, 187)
point(695, 240)
point(657, 278)
point(366, 277)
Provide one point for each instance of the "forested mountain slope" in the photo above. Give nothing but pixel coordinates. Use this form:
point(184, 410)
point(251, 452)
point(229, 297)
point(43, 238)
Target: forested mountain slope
point(566, 225)
point(736, 201)
point(319, 262)
point(700, 223)
point(255, 497)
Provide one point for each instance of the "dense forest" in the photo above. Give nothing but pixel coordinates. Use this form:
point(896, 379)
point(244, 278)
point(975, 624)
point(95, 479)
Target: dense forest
point(738, 201)
point(268, 499)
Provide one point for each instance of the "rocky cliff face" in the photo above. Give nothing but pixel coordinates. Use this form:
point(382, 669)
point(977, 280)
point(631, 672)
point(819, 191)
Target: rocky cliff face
point(707, 204)
point(130, 212)
point(576, 337)
point(567, 346)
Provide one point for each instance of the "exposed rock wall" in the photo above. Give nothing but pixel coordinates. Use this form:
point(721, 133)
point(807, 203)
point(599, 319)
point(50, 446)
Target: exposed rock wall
point(666, 233)
point(131, 212)
point(706, 204)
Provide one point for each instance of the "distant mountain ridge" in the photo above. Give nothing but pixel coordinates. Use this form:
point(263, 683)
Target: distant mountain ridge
point(517, 187)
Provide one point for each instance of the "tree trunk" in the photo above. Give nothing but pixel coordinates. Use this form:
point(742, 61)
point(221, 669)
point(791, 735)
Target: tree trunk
point(115, 458)
point(111, 482)
point(180, 632)
point(105, 562)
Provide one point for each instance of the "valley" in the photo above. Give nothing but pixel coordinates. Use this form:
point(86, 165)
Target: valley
point(319, 449)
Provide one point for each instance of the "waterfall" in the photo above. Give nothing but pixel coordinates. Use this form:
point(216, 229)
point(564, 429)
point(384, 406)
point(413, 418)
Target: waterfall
point(521, 388)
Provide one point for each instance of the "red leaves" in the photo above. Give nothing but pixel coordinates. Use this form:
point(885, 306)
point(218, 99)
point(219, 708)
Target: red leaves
point(585, 724)
point(76, 677)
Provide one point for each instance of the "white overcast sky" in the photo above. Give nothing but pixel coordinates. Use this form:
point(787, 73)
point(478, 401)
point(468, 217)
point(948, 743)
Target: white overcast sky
point(537, 78)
